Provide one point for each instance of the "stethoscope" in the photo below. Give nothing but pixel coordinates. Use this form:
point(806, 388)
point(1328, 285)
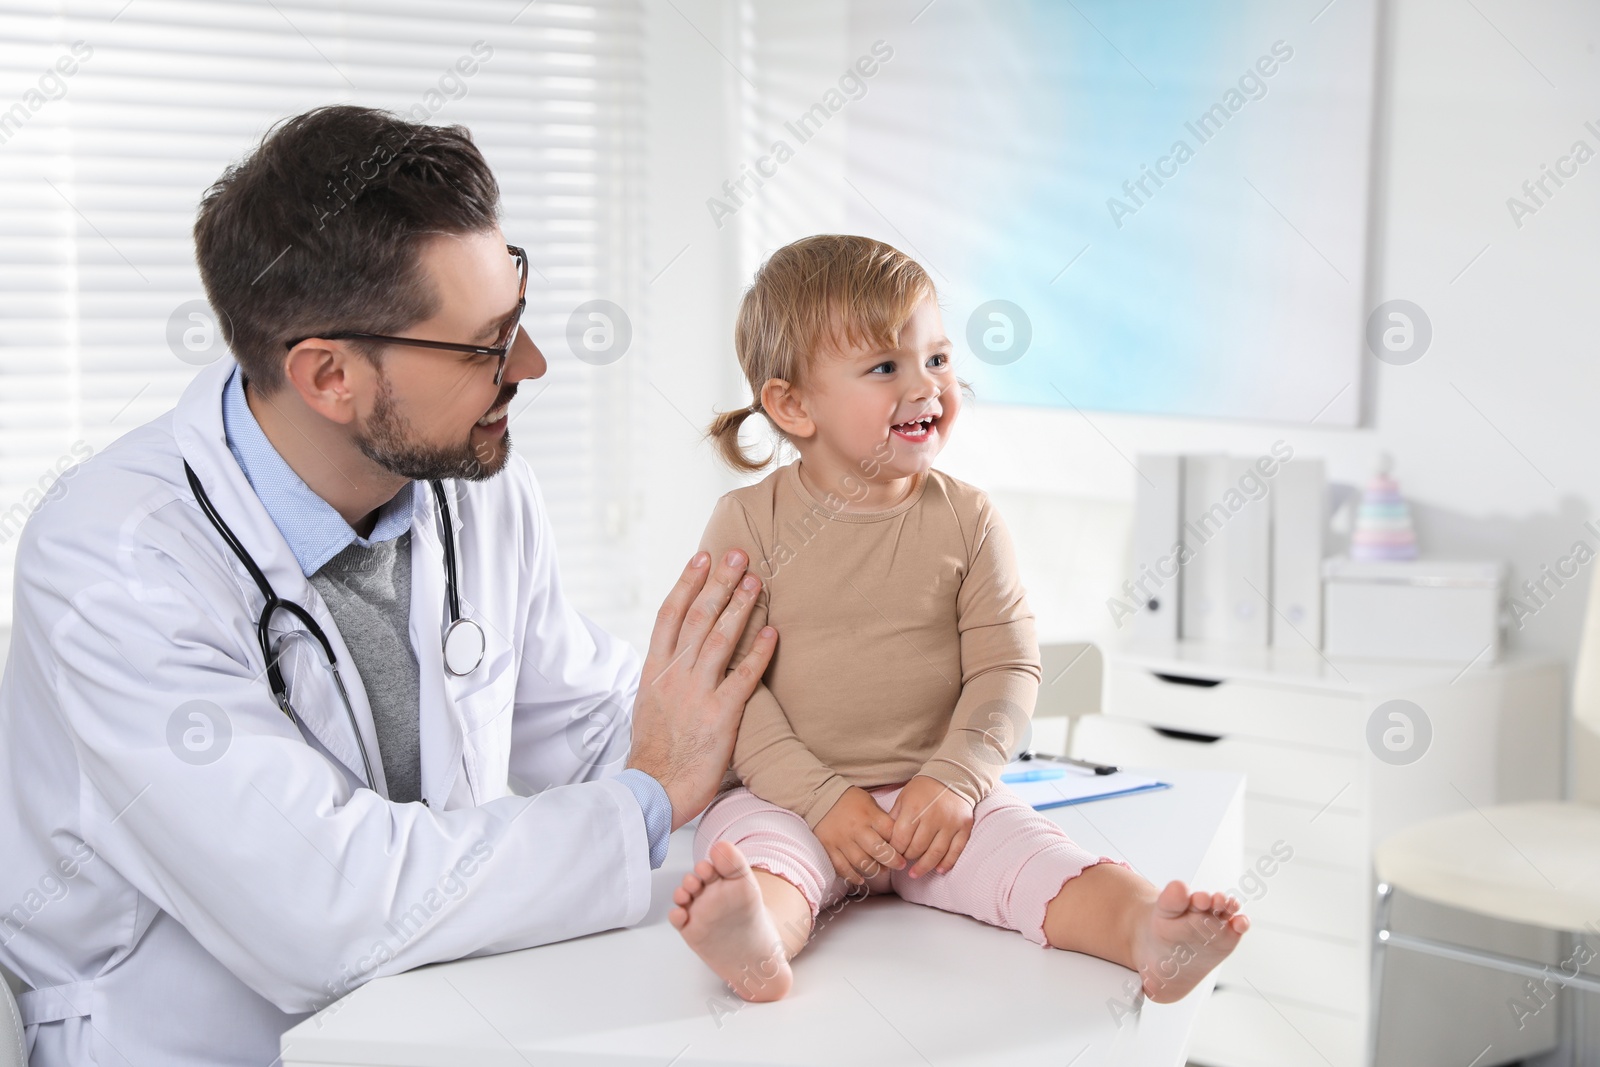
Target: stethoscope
point(464, 642)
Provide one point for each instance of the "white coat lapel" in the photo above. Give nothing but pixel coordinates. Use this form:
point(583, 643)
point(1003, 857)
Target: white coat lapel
point(198, 430)
point(441, 733)
point(467, 720)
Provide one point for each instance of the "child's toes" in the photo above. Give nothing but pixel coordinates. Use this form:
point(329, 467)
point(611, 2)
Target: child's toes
point(1174, 899)
point(727, 861)
point(677, 917)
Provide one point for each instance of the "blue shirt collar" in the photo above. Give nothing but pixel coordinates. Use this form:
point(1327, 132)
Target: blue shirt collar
point(314, 530)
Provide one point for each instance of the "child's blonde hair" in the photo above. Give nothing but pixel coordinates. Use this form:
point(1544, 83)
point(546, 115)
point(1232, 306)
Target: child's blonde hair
point(850, 291)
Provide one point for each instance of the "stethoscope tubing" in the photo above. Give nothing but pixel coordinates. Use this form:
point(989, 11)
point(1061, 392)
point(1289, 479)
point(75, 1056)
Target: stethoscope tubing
point(275, 603)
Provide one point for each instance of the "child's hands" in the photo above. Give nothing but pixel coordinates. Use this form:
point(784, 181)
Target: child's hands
point(856, 834)
point(931, 825)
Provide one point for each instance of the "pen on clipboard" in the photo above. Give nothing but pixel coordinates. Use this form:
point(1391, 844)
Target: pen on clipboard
point(1098, 768)
point(1034, 774)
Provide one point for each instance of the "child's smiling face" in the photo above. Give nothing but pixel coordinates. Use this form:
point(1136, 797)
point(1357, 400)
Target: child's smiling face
point(880, 415)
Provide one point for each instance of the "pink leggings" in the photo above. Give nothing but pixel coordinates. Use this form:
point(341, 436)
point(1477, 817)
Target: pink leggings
point(1015, 862)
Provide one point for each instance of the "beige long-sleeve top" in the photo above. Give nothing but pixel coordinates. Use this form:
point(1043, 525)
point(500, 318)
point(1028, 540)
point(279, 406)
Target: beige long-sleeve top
point(905, 643)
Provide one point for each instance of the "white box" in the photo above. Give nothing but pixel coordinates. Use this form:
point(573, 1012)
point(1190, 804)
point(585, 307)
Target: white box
point(1413, 610)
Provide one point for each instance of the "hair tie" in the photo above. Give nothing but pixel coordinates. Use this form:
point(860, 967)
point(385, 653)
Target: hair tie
point(755, 409)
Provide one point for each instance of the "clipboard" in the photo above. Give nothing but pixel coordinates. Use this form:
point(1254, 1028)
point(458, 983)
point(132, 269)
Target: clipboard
point(1055, 785)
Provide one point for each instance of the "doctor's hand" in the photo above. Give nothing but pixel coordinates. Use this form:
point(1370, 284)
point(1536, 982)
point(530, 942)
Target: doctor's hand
point(686, 716)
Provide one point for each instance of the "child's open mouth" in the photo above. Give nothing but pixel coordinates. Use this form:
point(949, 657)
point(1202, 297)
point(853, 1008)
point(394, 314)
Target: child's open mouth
point(919, 429)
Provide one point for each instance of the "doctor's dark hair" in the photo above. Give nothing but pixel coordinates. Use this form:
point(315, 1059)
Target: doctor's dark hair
point(319, 229)
point(828, 292)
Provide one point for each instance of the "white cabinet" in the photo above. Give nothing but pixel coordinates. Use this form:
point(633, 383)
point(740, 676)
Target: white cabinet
point(1329, 770)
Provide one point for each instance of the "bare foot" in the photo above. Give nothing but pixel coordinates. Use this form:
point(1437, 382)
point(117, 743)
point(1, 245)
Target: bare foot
point(1182, 938)
point(721, 915)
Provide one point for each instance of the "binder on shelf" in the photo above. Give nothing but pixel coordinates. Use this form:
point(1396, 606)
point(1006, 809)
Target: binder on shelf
point(1224, 551)
point(1226, 580)
point(1299, 517)
point(1157, 544)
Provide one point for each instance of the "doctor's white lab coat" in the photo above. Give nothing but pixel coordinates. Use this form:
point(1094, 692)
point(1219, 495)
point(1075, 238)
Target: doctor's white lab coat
point(187, 872)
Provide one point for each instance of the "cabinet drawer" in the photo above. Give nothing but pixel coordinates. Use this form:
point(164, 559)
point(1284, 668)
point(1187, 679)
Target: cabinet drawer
point(1236, 708)
point(1318, 971)
point(1322, 833)
point(1304, 775)
point(1306, 896)
point(1237, 1028)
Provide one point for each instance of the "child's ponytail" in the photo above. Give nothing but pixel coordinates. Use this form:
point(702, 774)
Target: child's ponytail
point(724, 432)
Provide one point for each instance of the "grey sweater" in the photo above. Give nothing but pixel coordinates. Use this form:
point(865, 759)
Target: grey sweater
point(368, 590)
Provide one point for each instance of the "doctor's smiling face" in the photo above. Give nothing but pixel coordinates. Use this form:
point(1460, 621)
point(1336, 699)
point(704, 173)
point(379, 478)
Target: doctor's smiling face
point(439, 414)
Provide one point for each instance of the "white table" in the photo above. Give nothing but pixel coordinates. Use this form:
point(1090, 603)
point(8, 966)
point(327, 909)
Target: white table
point(883, 981)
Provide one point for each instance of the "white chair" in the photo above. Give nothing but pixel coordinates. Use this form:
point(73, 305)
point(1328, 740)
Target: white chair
point(1533, 863)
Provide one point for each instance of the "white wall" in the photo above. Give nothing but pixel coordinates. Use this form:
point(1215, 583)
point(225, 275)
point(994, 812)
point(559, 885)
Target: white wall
point(685, 337)
point(697, 57)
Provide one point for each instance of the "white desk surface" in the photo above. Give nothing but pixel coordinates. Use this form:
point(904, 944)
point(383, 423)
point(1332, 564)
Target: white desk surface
point(882, 982)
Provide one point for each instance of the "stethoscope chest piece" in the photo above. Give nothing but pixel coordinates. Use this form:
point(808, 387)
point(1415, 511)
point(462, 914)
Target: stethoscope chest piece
point(464, 646)
point(464, 642)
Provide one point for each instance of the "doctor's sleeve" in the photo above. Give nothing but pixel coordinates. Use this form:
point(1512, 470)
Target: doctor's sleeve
point(206, 799)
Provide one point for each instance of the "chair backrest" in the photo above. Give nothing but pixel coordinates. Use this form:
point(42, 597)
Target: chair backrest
point(1586, 703)
point(1070, 686)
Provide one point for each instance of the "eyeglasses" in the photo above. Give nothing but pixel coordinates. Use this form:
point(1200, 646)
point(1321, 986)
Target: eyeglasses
point(501, 347)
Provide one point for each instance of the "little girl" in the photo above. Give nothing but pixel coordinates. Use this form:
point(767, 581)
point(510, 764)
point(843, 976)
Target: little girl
point(906, 667)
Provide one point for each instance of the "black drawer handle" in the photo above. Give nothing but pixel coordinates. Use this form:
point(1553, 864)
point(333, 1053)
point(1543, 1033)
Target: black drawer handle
point(1185, 735)
point(1184, 679)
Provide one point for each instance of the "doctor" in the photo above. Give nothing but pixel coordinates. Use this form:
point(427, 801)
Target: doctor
point(215, 819)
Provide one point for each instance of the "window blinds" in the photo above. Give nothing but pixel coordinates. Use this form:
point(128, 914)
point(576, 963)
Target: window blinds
point(116, 116)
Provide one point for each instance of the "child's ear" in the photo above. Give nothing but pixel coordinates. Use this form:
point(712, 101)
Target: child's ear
point(786, 408)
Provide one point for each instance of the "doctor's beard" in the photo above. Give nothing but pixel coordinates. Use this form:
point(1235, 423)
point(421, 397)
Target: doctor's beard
point(389, 441)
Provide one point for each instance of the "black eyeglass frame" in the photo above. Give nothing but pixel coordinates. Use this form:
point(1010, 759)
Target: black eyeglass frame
point(501, 347)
